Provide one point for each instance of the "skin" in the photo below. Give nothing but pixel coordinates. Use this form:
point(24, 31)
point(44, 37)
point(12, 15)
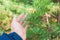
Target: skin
point(17, 26)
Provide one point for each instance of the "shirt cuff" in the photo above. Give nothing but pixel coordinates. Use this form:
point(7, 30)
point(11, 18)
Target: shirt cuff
point(15, 36)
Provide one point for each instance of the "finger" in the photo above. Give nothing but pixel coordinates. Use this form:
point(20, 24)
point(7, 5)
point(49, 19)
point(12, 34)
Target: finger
point(26, 27)
point(21, 22)
point(22, 16)
point(24, 24)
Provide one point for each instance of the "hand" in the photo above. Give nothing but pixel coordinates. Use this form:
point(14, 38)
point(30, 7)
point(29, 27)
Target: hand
point(17, 26)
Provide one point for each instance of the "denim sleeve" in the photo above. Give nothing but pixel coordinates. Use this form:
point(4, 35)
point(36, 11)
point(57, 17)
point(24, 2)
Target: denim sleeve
point(5, 37)
point(15, 36)
point(11, 36)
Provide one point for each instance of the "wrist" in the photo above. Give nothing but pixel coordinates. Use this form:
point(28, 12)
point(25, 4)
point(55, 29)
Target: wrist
point(23, 36)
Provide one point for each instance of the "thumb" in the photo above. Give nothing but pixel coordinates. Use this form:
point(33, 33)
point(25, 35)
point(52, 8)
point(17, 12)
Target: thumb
point(14, 18)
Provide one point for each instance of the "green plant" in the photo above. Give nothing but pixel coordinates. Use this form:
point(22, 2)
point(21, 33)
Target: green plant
point(41, 17)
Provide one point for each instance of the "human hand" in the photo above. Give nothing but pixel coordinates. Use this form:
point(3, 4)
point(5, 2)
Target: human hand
point(17, 26)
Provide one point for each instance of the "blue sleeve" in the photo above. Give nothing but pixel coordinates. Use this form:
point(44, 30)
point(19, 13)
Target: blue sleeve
point(11, 36)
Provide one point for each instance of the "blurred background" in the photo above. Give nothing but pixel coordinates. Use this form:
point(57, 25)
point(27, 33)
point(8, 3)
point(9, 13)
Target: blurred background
point(43, 17)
